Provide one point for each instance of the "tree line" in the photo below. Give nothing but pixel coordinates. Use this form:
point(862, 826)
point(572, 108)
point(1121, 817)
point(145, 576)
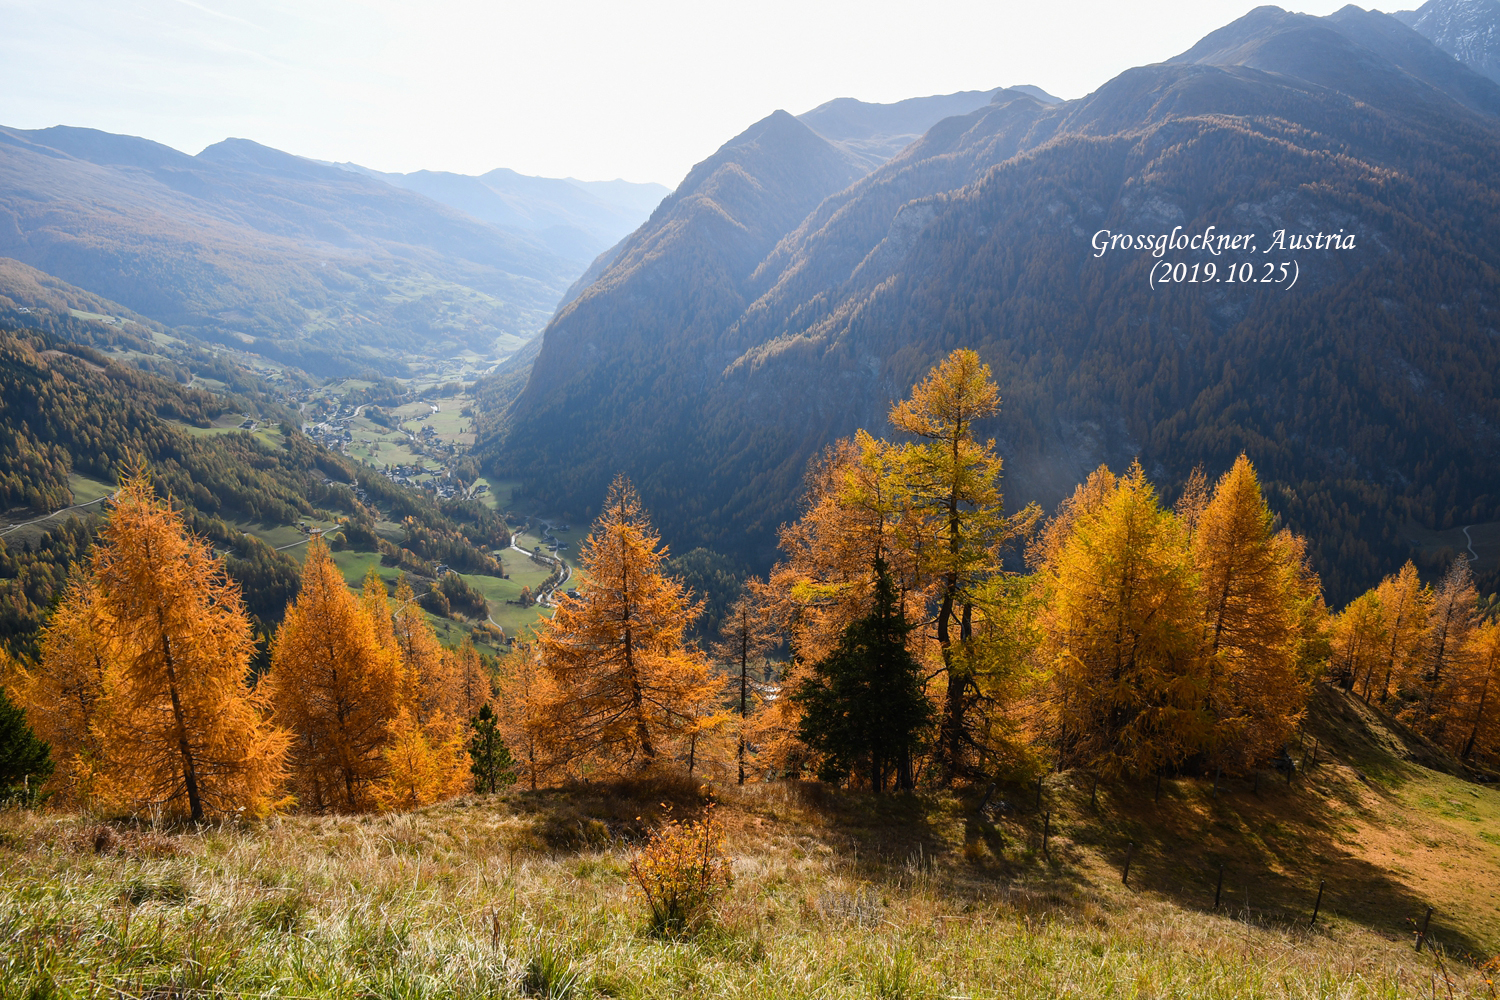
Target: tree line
point(929, 637)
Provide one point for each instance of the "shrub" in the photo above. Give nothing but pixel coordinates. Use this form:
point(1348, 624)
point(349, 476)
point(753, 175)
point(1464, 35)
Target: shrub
point(681, 873)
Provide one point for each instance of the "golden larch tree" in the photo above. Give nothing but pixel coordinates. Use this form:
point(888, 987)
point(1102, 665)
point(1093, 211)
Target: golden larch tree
point(1359, 641)
point(1406, 605)
point(523, 715)
point(336, 685)
point(1250, 637)
point(178, 726)
point(1120, 624)
point(956, 517)
point(629, 689)
point(1441, 663)
point(1481, 720)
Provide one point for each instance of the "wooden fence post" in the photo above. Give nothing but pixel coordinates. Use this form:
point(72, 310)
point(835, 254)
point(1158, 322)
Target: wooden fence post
point(1129, 850)
point(1219, 890)
point(1046, 831)
point(1318, 905)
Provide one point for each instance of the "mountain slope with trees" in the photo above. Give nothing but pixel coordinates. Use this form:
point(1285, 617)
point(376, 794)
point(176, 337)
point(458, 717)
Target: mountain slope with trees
point(1365, 394)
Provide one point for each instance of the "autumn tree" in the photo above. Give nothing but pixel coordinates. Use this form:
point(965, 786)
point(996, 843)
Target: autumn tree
point(744, 635)
point(863, 706)
point(62, 696)
point(1248, 579)
point(523, 716)
point(472, 681)
point(957, 519)
point(336, 685)
point(1359, 641)
point(1441, 660)
point(628, 688)
point(1482, 721)
point(1406, 605)
point(1121, 624)
point(178, 726)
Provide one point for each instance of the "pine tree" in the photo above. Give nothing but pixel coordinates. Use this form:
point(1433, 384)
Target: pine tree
point(1120, 626)
point(745, 634)
point(492, 765)
point(863, 706)
point(628, 687)
point(336, 686)
point(179, 728)
point(25, 761)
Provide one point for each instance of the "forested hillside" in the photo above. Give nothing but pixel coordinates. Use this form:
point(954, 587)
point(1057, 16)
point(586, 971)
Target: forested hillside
point(1365, 394)
point(76, 419)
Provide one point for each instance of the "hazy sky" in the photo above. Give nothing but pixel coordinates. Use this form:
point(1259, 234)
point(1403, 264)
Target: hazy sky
point(595, 90)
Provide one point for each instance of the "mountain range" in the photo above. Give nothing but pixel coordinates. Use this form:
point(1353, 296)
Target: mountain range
point(329, 269)
point(786, 293)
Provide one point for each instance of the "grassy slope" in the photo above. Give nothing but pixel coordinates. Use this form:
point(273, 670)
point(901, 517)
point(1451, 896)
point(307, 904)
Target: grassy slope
point(837, 894)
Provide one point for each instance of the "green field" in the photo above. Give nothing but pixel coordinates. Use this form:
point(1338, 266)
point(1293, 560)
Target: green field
point(450, 426)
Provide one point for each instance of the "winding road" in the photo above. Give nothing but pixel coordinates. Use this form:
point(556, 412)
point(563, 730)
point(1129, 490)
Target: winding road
point(1473, 556)
point(61, 510)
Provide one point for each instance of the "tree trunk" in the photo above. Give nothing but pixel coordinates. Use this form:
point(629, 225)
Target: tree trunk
point(189, 771)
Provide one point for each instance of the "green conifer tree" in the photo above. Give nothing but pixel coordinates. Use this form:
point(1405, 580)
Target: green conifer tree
point(863, 705)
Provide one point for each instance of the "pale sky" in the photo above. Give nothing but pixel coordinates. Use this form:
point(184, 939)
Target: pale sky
point(588, 89)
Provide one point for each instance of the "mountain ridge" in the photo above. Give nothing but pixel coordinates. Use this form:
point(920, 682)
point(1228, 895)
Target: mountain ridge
point(978, 235)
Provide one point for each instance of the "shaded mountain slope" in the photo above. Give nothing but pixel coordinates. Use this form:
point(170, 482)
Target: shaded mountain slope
point(1366, 394)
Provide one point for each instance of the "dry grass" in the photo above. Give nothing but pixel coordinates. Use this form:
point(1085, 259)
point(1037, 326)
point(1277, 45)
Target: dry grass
point(836, 895)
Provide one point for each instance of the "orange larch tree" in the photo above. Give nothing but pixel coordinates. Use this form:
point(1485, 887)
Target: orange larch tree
point(629, 689)
point(1251, 634)
point(179, 728)
point(336, 685)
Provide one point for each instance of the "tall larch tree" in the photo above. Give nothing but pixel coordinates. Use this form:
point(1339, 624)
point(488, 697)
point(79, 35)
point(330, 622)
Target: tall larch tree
point(957, 517)
point(745, 635)
point(1250, 636)
point(1120, 625)
point(524, 717)
point(337, 686)
point(1359, 641)
point(629, 688)
point(179, 727)
point(1442, 662)
point(1407, 605)
point(1480, 723)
